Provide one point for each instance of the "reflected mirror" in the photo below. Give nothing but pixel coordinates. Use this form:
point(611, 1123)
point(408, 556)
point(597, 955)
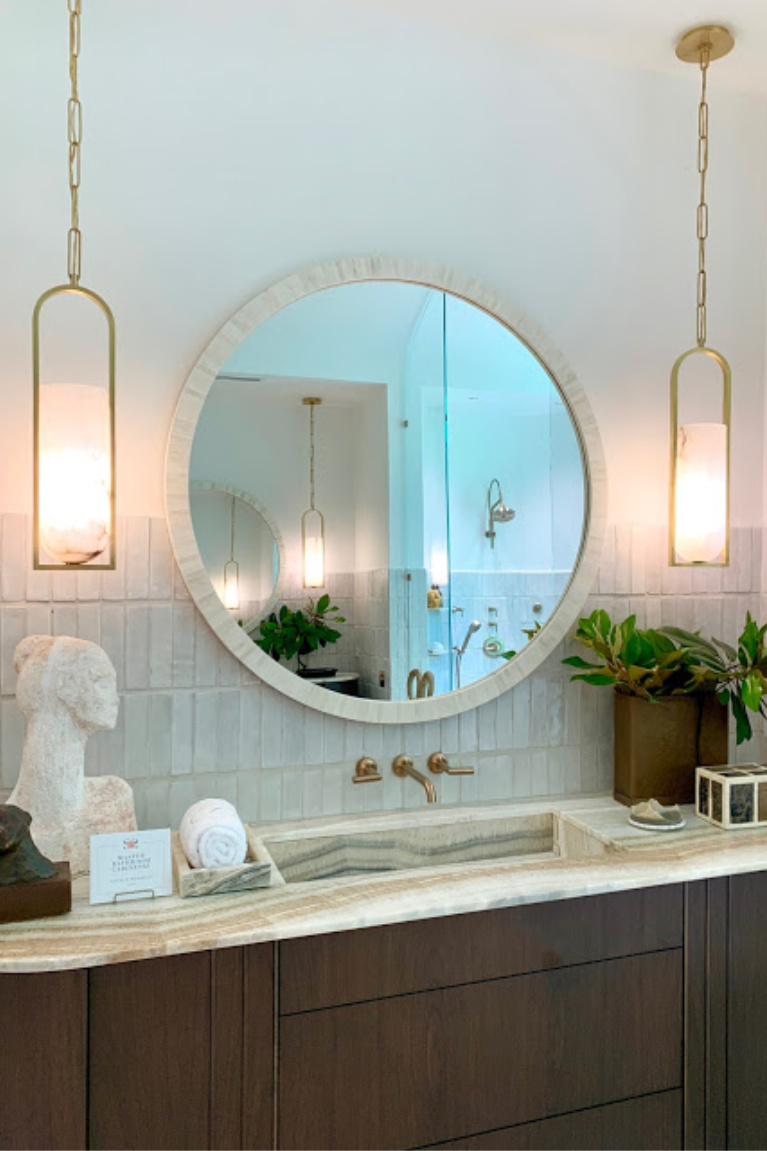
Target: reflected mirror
point(432, 498)
point(239, 546)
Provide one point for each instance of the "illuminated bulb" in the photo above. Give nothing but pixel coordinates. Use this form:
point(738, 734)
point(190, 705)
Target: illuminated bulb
point(232, 585)
point(314, 561)
point(75, 472)
point(701, 493)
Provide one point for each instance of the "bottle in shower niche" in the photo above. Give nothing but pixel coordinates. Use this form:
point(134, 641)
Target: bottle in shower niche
point(434, 597)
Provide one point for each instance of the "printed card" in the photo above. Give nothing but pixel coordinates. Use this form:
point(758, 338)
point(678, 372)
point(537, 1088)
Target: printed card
point(130, 865)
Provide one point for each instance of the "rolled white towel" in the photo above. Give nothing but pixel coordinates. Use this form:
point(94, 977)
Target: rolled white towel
point(212, 834)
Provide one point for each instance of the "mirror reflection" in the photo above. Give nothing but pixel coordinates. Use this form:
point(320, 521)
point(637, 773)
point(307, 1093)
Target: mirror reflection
point(425, 475)
point(239, 549)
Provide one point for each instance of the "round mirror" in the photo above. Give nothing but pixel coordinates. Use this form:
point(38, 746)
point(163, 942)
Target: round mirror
point(239, 543)
point(433, 469)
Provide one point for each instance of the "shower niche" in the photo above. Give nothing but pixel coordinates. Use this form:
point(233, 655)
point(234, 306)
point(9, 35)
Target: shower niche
point(454, 469)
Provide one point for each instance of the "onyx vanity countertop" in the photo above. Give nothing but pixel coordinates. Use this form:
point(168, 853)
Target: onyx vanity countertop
point(92, 936)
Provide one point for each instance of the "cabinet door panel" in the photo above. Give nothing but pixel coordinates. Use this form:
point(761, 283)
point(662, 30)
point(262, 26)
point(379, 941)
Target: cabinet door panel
point(653, 1123)
point(352, 966)
point(747, 1013)
point(150, 1054)
point(42, 1060)
point(435, 1066)
point(258, 1054)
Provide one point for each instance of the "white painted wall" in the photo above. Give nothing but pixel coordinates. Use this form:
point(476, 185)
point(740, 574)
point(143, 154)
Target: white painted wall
point(226, 145)
point(255, 436)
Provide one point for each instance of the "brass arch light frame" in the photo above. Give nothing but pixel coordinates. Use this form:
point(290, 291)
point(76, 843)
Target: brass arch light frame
point(726, 407)
point(700, 46)
point(231, 567)
point(312, 402)
point(73, 290)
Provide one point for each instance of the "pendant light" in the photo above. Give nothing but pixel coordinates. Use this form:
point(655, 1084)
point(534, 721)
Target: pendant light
point(232, 570)
point(312, 521)
point(700, 451)
point(74, 423)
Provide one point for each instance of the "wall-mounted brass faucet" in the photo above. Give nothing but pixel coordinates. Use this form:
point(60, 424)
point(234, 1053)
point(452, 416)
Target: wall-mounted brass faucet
point(402, 765)
point(438, 763)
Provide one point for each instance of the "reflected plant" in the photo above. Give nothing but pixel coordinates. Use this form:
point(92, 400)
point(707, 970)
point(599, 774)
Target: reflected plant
point(287, 633)
point(530, 632)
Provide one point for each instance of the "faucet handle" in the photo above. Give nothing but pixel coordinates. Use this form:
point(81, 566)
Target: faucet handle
point(401, 764)
point(366, 771)
point(438, 763)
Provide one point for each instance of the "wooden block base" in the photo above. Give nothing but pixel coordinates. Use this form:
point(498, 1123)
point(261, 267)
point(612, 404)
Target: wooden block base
point(35, 900)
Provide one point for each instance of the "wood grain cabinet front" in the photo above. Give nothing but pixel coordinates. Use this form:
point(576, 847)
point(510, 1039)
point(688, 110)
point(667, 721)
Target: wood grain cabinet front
point(745, 1013)
point(43, 1046)
point(181, 1052)
point(424, 1068)
point(652, 1123)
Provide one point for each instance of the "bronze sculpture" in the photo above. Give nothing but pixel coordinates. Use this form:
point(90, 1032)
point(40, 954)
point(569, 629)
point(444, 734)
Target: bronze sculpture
point(20, 861)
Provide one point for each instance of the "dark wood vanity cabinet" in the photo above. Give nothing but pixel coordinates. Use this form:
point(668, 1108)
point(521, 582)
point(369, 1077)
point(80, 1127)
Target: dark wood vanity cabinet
point(182, 1051)
point(43, 1059)
point(636, 1019)
point(463, 1027)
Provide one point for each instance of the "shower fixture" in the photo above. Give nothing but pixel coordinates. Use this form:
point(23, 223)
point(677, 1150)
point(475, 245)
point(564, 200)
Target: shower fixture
point(473, 627)
point(497, 513)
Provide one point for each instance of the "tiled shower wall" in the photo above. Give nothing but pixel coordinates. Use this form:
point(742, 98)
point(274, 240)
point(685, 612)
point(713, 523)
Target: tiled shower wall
point(194, 723)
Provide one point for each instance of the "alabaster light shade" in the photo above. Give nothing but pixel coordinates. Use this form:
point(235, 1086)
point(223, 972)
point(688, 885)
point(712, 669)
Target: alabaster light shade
point(700, 523)
point(75, 480)
point(232, 585)
point(314, 555)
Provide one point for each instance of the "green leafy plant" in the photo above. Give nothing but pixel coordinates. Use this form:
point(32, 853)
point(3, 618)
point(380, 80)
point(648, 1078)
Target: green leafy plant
point(657, 663)
point(530, 632)
point(738, 676)
point(642, 662)
point(287, 633)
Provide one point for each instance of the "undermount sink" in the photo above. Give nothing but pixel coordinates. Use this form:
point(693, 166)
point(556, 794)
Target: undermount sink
point(520, 838)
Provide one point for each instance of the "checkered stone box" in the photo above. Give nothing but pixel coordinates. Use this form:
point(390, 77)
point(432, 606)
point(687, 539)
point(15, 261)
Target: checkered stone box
point(732, 796)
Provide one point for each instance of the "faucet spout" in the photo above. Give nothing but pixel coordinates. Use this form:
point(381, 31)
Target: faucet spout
point(402, 765)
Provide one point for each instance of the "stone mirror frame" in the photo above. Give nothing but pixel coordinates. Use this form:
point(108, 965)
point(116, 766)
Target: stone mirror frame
point(266, 303)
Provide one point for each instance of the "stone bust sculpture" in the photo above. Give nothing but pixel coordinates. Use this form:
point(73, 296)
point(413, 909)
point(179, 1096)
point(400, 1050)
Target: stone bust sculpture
point(67, 689)
point(20, 861)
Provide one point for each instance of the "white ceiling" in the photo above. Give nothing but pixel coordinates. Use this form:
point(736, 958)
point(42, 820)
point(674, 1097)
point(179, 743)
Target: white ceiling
point(640, 33)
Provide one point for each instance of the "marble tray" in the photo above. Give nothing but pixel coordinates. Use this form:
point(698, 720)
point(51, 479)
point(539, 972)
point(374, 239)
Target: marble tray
point(255, 872)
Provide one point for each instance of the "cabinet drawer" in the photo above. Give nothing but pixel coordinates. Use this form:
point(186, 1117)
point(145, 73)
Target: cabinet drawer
point(352, 966)
point(653, 1123)
point(426, 1068)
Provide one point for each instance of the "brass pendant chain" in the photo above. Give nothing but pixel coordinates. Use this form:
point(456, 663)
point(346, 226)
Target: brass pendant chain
point(74, 133)
point(231, 533)
point(311, 456)
point(702, 213)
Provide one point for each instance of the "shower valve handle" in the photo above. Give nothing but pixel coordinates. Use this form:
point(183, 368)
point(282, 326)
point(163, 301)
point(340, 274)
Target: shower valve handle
point(438, 763)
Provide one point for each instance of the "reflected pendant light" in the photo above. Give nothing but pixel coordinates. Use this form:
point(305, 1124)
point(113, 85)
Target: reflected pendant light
point(312, 521)
point(232, 570)
point(74, 423)
point(700, 452)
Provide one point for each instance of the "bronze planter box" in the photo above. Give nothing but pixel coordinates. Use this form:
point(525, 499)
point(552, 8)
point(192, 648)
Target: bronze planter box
point(659, 745)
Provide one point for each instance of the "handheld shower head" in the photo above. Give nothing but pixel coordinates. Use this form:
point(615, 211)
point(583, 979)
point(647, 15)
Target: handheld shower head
point(473, 627)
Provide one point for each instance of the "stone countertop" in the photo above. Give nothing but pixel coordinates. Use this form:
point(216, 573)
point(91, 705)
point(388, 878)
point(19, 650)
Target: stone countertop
point(91, 936)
